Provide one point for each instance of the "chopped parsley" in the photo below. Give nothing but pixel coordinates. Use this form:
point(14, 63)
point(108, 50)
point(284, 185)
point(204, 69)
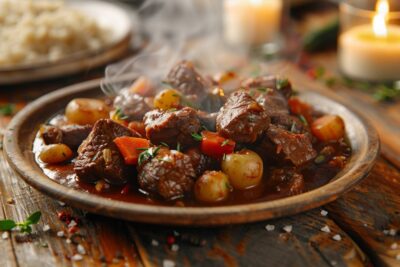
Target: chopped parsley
point(281, 83)
point(178, 147)
point(197, 137)
point(148, 154)
point(226, 141)
point(120, 115)
point(303, 120)
point(7, 109)
point(164, 144)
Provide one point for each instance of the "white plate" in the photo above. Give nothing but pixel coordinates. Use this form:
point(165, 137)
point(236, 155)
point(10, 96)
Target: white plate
point(109, 15)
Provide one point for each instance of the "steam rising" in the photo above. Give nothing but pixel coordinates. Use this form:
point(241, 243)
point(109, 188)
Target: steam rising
point(173, 30)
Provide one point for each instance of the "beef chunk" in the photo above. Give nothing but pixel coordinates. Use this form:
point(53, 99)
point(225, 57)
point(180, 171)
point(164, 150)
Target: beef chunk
point(274, 103)
point(131, 105)
point(200, 162)
point(296, 147)
point(208, 120)
point(100, 158)
point(242, 119)
point(283, 86)
point(187, 80)
point(169, 174)
point(287, 181)
point(172, 127)
point(70, 135)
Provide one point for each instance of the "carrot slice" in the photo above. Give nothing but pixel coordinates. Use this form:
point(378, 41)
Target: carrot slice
point(215, 145)
point(131, 147)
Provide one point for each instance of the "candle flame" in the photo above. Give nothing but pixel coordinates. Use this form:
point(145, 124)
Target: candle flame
point(380, 18)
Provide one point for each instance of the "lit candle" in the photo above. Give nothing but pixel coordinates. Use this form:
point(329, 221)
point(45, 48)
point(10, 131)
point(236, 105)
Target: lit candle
point(372, 52)
point(251, 22)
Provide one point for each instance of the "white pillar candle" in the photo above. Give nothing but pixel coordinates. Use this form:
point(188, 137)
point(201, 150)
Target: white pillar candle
point(372, 51)
point(251, 22)
point(363, 55)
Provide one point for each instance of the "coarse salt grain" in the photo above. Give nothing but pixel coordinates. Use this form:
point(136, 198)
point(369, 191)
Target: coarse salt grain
point(337, 237)
point(168, 263)
point(288, 228)
point(333, 263)
point(46, 228)
point(72, 224)
point(394, 246)
point(77, 257)
point(270, 227)
point(326, 229)
point(175, 247)
point(62, 204)
point(4, 235)
point(324, 212)
point(154, 243)
point(81, 249)
point(392, 232)
point(68, 241)
point(60, 233)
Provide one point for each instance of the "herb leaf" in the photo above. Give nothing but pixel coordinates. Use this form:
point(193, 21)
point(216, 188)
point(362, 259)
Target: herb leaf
point(7, 225)
point(226, 141)
point(281, 83)
point(178, 147)
point(197, 137)
point(7, 109)
point(34, 217)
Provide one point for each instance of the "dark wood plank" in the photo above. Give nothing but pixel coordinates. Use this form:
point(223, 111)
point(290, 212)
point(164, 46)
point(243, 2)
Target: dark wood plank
point(252, 244)
point(371, 214)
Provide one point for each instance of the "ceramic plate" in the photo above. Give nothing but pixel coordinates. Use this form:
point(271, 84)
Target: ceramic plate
point(22, 130)
point(111, 16)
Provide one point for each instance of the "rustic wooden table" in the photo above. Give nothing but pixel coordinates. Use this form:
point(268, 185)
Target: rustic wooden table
point(362, 228)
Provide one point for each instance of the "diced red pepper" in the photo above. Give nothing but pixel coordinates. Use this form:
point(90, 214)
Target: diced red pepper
point(131, 147)
point(216, 146)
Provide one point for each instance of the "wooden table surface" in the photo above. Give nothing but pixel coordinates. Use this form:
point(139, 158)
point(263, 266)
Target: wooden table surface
point(364, 224)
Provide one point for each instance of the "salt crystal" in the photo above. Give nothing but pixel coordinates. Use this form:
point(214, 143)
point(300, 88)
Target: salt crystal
point(270, 227)
point(68, 241)
point(77, 257)
point(72, 224)
point(394, 246)
point(326, 229)
point(154, 243)
point(175, 247)
point(5, 235)
point(392, 232)
point(62, 204)
point(288, 228)
point(81, 249)
point(398, 257)
point(46, 228)
point(60, 233)
point(337, 237)
point(324, 212)
point(168, 263)
point(385, 232)
point(333, 263)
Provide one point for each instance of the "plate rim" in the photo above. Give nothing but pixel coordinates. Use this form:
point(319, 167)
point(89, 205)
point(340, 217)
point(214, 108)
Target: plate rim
point(194, 216)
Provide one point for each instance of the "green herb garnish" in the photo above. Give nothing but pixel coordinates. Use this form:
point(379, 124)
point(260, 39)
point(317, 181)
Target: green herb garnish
point(303, 120)
point(148, 154)
point(197, 137)
point(120, 114)
point(164, 144)
point(25, 226)
point(281, 83)
point(7, 109)
point(178, 147)
point(226, 141)
point(319, 159)
point(165, 83)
